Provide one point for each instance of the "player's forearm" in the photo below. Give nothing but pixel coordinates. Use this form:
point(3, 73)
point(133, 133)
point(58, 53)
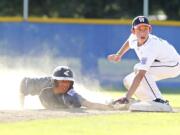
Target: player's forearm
point(137, 80)
point(123, 49)
point(91, 105)
point(100, 106)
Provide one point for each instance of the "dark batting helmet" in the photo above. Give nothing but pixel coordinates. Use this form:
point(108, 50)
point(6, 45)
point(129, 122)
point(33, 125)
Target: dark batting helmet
point(62, 73)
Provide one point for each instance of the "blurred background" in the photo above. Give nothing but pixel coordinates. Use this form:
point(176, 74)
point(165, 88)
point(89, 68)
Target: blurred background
point(42, 34)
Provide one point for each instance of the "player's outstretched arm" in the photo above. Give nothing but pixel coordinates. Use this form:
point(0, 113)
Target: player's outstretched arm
point(117, 57)
point(98, 106)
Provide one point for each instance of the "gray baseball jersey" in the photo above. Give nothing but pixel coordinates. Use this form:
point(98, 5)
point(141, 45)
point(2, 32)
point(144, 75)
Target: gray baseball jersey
point(43, 87)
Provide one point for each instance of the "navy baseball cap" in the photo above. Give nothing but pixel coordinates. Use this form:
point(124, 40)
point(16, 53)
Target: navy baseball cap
point(140, 20)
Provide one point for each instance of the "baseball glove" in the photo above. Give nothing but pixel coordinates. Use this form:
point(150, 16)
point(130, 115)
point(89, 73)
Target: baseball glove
point(122, 100)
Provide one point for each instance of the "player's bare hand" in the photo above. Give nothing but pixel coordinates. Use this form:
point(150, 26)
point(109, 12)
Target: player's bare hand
point(114, 57)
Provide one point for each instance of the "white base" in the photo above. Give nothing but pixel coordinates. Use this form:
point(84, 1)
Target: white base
point(150, 106)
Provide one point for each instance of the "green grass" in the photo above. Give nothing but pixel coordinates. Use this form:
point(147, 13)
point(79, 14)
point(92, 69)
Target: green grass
point(114, 124)
point(127, 123)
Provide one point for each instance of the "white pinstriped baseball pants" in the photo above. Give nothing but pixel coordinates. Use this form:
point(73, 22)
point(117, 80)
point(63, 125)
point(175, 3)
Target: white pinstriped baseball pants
point(148, 90)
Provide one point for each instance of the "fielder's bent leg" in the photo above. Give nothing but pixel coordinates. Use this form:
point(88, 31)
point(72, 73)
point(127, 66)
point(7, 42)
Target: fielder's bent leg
point(147, 89)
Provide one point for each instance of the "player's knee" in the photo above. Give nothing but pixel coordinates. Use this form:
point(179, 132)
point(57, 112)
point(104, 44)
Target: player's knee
point(127, 81)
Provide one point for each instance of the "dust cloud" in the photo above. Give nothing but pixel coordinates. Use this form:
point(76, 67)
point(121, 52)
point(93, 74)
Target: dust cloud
point(13, 69)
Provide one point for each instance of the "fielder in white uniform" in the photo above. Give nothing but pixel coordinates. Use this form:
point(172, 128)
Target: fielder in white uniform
point(158, 60)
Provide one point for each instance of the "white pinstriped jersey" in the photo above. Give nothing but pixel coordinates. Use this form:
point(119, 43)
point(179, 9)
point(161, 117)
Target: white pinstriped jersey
point(153, 49)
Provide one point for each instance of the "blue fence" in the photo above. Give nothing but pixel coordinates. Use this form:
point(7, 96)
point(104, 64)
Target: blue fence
point(87, 42)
